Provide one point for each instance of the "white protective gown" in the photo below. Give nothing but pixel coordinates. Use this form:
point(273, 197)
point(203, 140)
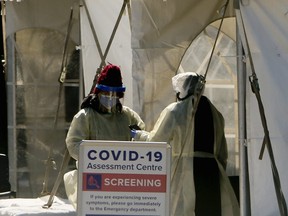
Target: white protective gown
point(88, 124)
point(176, 127)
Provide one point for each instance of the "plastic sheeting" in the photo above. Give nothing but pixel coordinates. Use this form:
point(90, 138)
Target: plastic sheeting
point(34, 58)
point(267, 29)
point(161, 33)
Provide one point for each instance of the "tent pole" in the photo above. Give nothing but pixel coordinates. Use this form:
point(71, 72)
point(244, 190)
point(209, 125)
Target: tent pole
point(103, 56)
point(50, 160)
point(245, 208)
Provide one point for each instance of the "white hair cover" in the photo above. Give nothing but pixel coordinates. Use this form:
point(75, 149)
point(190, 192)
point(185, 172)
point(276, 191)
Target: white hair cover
point(185, 83)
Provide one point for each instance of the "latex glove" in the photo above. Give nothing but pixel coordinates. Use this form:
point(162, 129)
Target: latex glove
point(133, 133)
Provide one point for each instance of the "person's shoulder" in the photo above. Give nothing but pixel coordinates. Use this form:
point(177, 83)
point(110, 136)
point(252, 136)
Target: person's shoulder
point(170, 107)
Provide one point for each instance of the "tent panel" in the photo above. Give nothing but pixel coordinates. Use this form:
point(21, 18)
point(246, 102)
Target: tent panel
point(50, 14)
point(159, 41)
point(267, 29)
point(104, 14)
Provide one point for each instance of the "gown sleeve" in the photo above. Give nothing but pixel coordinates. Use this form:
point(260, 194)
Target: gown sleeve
point(164, 126)
point(78, 131)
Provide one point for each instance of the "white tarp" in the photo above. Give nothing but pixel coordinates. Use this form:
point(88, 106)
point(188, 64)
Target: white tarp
point(161, 33)
point(35, 38)
point(266, 26)
point(33, 14)
point(104, 14)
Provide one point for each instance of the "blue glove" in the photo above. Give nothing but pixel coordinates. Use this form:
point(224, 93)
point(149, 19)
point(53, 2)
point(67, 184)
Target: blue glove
point(133, 133)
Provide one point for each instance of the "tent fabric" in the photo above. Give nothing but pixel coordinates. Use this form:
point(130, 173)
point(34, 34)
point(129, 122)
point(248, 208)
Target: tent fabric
point(34, 56)
point(266, 28)
point(32, 14)
point(104, 14)
point(159, 41)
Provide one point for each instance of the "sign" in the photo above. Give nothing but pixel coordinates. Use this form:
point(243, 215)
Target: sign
point(123, 178)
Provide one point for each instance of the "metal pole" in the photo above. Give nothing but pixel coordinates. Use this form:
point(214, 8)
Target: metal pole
point(245, 208)
point(50, 160)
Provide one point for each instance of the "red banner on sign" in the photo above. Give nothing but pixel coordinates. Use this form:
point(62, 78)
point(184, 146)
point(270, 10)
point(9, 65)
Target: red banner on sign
point(124, 182)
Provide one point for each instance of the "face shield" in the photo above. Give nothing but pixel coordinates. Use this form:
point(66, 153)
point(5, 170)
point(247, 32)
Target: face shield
point(109, 96)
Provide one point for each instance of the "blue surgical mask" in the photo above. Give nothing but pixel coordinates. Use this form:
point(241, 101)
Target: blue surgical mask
point(108, 101)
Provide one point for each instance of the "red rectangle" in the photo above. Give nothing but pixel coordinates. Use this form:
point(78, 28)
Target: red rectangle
point(124, 182)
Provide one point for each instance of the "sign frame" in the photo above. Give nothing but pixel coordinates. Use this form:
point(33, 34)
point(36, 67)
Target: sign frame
point(124, 178)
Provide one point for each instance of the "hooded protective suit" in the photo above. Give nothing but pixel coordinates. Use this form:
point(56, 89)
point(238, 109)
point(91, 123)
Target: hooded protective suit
point(88, 124)
point(175, 126)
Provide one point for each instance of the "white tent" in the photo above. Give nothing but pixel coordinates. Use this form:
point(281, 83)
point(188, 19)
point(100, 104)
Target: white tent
point(266, 38)
point(156, 39)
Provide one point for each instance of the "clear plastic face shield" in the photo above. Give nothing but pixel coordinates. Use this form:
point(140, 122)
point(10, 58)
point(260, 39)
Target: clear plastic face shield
point(109, 96)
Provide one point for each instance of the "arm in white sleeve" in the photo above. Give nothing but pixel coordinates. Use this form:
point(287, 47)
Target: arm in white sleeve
point(78, 131)
point(163, 129)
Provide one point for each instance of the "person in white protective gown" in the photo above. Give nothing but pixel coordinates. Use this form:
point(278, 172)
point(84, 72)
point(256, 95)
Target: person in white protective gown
point(199, 183)
point(102, 117)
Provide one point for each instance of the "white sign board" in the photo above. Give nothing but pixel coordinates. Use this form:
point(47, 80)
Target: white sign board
point(123, 178)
